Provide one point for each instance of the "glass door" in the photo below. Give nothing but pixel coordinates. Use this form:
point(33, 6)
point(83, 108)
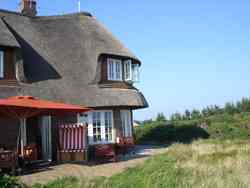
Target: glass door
point(45, 128)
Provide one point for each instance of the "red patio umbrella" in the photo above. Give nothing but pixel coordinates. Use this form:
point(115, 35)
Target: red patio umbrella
point(23, 107)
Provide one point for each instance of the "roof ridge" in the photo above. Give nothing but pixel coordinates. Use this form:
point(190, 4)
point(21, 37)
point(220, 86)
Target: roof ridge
point(49, 16)
point(11, 12)
point(69, 15)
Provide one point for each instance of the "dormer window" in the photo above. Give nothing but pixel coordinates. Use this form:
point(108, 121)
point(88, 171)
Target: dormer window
point(121, 70)
point(114, 69)
point(1, 64)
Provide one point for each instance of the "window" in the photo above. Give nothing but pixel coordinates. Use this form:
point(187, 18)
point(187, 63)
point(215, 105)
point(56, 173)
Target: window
point(108, 126)
point(131, 71)
point(128, 70)
point(97, 127)
point(126, 123)
point(114, 69)
point(135, 73)
point(82, 118)
point(100, 127)
point(1, 64)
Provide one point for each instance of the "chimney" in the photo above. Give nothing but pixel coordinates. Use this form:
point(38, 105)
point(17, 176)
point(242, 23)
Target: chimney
point(28, 7)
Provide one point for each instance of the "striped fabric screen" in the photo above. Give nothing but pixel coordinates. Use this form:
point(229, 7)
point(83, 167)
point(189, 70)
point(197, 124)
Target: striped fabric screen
point(73, 137)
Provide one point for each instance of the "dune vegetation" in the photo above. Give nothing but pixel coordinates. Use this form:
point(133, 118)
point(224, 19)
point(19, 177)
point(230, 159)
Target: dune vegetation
point(205, 164)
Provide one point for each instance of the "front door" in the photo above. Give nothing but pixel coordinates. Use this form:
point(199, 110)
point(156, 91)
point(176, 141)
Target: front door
point(45, 129)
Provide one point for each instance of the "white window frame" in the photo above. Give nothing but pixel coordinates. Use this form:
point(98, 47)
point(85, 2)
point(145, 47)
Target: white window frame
point(131, 71)
point(126, 119)
point(112, 66)
point(128, 70)
point(1, 64)
point(135, 72)
point(103, 132)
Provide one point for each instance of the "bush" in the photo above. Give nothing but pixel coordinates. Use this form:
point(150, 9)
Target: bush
point(165, 134)
point(10, 182)
point(223, 126)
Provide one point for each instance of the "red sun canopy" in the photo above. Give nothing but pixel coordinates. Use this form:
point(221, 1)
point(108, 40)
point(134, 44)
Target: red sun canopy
point(28, 106)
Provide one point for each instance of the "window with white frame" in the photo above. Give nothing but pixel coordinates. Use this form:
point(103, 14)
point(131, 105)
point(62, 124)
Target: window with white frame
point(108, 126)
point(126, 123)
point(1, 64)
point(135, 73)
point(96, 122)
point(100, 127)
point(128, 70)
point(131, 71)
point(114, 69)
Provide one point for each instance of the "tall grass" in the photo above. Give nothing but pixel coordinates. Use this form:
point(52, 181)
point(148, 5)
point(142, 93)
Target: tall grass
point(201, 164)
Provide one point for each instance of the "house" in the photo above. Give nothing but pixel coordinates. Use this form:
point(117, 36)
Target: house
point(69, 58)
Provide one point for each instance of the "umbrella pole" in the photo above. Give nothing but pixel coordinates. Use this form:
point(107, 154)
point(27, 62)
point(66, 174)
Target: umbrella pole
point(23, 135)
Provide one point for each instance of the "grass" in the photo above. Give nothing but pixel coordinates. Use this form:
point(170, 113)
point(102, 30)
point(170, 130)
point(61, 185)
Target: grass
point(204, 163)
point(67, 182)
point(221, 160)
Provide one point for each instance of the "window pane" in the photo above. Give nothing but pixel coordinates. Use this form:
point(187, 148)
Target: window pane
point(82, 118)
point(108, 126)
point(97, 126)
point(135, 72)
point(1, 64)
point(110, 69)
point(126, 123)
point(114, 69)
point(127, 70)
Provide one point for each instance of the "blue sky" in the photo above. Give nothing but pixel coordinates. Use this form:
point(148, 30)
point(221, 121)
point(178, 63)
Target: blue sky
point(194, 53)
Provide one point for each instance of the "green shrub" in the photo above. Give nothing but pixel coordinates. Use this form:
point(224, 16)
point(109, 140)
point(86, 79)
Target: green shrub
point(166, 134)
point(7, 181)
point(222, 126)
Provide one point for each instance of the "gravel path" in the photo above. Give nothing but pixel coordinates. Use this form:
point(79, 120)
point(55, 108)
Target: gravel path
point(52, 173)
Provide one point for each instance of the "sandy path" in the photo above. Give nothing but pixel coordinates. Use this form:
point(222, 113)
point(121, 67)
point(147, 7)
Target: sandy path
point(78, 170)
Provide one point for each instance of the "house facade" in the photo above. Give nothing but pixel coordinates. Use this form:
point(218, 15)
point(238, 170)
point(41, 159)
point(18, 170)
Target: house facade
point(72, 59)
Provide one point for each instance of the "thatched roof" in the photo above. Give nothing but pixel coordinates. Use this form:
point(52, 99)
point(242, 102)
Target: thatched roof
point(6, 37)
point(61, 60)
